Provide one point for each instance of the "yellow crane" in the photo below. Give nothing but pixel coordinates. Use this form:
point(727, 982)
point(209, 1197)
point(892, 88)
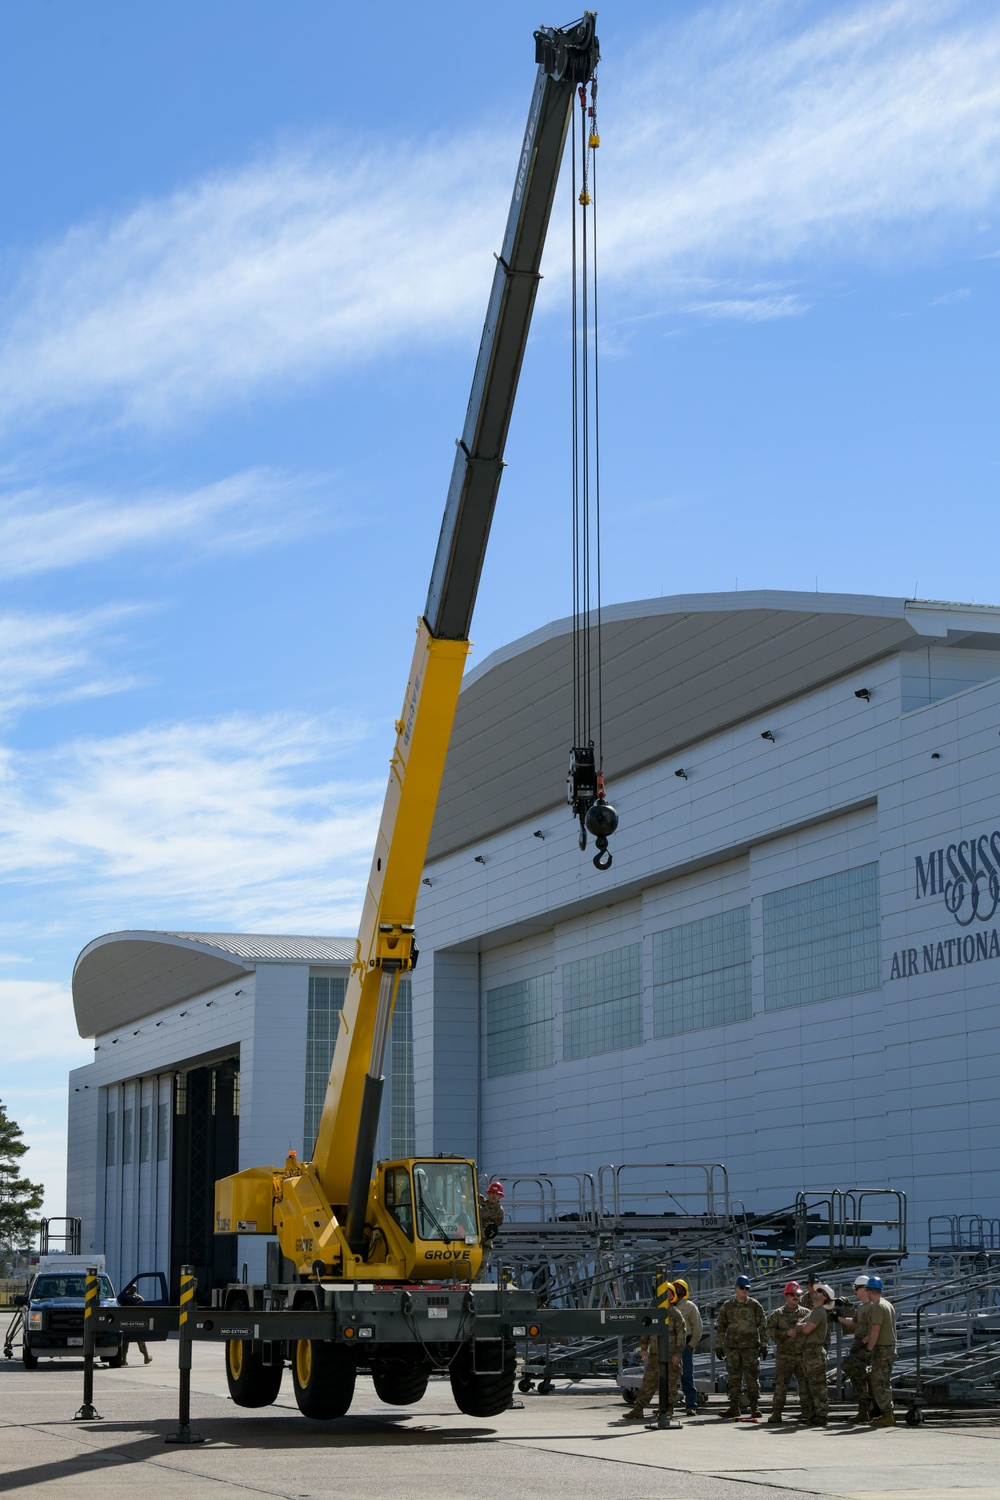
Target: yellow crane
point(338, 1218)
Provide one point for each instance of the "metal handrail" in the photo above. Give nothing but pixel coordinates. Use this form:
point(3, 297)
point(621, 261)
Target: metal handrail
point(611, 1196)
point(552, 1202)
point(987, 1283)
point(844, 1214)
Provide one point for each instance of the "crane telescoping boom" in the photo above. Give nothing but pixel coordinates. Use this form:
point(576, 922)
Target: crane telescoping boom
point(418, 1218)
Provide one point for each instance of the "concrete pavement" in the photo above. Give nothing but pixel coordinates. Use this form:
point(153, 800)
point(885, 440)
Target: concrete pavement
point(570, 1443)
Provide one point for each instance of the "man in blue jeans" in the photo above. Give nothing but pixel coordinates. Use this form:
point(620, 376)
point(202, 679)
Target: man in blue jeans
point(693, 1327)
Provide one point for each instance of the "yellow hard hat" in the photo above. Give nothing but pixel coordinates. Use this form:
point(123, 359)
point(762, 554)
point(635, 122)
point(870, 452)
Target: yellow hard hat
point(682, 1289)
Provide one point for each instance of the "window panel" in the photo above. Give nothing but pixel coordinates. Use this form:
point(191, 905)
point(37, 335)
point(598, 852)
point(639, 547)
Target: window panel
point(602, 1002)
point(520, 1027)
point(702, 973)
point(822, 939)
point(402, 1129)
point(145, 1124)
point(326, 1000)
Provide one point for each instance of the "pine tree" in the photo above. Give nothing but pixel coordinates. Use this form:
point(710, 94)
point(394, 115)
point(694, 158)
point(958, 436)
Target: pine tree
point(19, 1198)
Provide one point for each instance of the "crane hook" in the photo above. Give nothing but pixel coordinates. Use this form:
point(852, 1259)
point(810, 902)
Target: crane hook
point(602, 860)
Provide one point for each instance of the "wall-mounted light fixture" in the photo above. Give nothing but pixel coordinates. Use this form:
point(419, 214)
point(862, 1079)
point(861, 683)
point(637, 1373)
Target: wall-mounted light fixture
point(681, 773)
point(425, 881)
point(183, 1012)
point(935, 755)
point(538, 834)
point(480, 860)
point(766, 734)
point(135, 1033)
point(208, 1003)
point(864, 693)
point(237, 992)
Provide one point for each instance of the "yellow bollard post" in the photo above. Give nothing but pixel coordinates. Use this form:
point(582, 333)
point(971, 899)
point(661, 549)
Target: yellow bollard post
point(184, 1433)
point(92, 1302)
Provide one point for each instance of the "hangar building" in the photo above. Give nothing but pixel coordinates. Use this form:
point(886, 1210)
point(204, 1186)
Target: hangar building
point(791, 967)
point(211, 1053)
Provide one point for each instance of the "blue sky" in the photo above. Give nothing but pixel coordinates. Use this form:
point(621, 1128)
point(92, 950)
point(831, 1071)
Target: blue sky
point(246, 251)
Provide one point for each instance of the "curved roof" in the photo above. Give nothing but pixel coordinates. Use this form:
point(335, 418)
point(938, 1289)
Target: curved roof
point(123, 976)
point(675, 671)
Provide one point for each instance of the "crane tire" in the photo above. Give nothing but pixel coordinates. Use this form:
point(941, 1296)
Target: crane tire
point(251, 1382)
point(483, 1394)
point(399, 1382)
point(323, 1374)
point(29, 1360)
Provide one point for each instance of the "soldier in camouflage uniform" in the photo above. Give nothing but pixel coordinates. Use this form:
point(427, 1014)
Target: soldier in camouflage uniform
point(741, 1340)
point(811, 1334)
point(491, 1218)
point(882, 1347)
point(490, 1207)
point(677, 1331)
point(855, 1366)
point(787, 1354)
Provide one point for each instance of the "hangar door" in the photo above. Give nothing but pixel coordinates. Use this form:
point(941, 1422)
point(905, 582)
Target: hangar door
point(206, 1141)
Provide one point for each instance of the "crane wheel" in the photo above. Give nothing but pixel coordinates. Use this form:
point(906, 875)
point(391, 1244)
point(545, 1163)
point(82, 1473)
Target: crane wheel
point(399, 1383)
point(251, 1382)
point(323, 1375)
point(480, 1393)
point(29, 1360)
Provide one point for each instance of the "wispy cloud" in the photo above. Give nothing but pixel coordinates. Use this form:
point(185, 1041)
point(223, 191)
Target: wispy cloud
point(46, 658)
point(960, 294)
point(234, 821)
point(293, 265)
point(752, 309)
point(39, 1025)
point(735, 139)
point(42, 528)
point(762, 132)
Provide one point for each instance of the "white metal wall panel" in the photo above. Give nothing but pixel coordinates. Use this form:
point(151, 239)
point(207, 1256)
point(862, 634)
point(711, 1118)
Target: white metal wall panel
point(895, 1086)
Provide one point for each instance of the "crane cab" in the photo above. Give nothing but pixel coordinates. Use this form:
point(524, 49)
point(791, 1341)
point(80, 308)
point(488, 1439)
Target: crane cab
point(427, 1210)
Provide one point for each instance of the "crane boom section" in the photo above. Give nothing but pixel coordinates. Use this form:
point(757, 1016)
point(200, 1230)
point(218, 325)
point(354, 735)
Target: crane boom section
point(422, 735)
point(565, 58)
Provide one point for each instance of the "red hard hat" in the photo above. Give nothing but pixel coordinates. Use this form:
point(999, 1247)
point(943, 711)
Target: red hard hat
point(496, 1187)
point(792, 1289)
